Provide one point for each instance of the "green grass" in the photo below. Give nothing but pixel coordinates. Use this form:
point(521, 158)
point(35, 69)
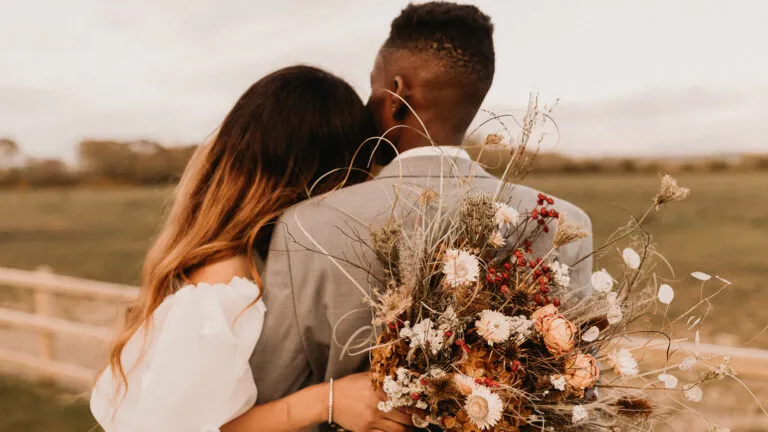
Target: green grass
point(41, 408)
point(103, 234)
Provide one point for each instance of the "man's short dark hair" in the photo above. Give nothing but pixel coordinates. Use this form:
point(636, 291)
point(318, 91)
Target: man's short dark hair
point(461, 35)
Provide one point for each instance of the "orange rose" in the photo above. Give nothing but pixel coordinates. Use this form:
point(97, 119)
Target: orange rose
point(540, 314)
point(581, 372)
point(559, 334)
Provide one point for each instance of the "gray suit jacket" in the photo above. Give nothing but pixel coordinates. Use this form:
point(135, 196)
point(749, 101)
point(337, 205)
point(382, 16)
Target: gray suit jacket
point(309, 295)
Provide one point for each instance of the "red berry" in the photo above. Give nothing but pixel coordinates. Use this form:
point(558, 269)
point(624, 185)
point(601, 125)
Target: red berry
point(423, 381)
point(392, 326)
point(535, 214)
point(538, 299)
point(518, 253)
point(491, 270)
point(544, 289)
point(545, 212)
point(530, 251)
point(542, 221)
point(507, 266)
point(543, 280)
point(521, 262)
point(465, 348)
point(448, 333)
point(415, 396)
point(546, 229)
point(479, 380)
point(528, 243)
point(537, 273)
point(504, 289)
point(545, 268)
point(550, 200)
point(516, 365)
point(556, 302)
point(459, 342)
point(541, 196)
point(532, 263)
point(540, 202)
point(539, 260)
point(488, 278)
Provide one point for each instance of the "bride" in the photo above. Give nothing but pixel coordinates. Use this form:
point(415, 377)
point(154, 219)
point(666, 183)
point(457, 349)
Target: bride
point(181, 360)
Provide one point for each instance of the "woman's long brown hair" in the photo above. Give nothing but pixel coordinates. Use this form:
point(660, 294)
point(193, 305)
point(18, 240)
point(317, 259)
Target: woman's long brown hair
point(282, 135)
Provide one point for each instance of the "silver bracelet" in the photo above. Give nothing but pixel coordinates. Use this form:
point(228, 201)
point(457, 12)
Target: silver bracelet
point(330, 403)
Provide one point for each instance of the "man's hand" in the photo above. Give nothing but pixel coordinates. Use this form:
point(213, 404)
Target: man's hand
point(355, 407)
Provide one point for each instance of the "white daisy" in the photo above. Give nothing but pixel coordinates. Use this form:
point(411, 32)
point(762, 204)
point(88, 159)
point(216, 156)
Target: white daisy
point(579, 414)
point(493, 326)
point(623, 363)
point(465, 384)
point(506, 215)
point(460, 268)
point(497, 240)
point(484, 408)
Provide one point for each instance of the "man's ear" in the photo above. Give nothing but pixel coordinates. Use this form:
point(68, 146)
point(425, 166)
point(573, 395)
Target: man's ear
point(398, 109)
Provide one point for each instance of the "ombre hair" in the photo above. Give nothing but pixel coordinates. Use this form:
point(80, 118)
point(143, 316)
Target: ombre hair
point(280, 140)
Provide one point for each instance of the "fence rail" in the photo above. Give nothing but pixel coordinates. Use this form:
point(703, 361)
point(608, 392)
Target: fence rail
point(45, 287)
point(752, 363)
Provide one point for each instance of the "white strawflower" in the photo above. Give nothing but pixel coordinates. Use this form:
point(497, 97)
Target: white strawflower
point(460, 268)
point(465, 384)
point(493, 326)
point(558, 382)
point(506, 215)
point(497, 240)
point(579, 414)
point(623, 363)
point(484, 408)
point(561, 274)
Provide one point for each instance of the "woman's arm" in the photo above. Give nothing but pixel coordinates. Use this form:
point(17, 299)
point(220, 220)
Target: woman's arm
point(355, 408)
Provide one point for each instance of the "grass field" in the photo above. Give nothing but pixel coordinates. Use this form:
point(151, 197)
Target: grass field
point(102, 234)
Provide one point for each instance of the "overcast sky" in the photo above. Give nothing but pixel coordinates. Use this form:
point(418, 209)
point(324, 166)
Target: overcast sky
point(634, 77)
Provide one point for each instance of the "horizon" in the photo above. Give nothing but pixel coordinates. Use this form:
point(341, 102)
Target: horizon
point(657, 79)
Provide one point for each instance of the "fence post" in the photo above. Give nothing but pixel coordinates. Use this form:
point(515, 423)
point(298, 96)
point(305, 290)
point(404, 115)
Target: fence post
point(44, 307)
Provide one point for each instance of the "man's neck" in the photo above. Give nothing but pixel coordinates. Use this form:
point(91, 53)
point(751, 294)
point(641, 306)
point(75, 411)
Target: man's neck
point(410, 139)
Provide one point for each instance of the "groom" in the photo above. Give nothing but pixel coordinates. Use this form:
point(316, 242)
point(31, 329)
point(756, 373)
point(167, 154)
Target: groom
point(439, 58)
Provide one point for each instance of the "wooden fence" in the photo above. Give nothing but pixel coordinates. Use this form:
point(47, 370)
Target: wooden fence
point(45, 288)
point(751, 363)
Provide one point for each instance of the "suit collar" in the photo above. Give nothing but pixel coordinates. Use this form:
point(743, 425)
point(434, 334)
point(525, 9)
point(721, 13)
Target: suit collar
point(433, 165)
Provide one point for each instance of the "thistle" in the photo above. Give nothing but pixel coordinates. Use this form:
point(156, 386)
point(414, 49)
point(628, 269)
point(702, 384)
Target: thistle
point(670, 191)
point(567, 232)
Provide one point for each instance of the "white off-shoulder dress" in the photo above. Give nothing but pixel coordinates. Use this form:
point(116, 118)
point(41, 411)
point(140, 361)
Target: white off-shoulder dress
point(193, 372)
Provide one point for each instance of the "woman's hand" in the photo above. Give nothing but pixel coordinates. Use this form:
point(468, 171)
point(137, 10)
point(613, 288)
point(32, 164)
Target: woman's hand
point(355, 407)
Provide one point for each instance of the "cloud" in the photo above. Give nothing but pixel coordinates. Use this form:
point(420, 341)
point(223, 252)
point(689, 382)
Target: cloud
point(667, 122)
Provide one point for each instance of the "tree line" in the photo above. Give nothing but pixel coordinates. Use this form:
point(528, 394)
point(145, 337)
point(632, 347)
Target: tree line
point(145, 162)
point(104, 162)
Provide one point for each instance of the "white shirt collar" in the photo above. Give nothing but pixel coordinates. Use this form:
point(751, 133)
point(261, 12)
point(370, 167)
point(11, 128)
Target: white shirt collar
point(446, 151)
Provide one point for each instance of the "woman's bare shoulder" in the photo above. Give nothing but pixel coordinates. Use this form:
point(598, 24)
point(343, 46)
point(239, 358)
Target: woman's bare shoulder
point(222, 271)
